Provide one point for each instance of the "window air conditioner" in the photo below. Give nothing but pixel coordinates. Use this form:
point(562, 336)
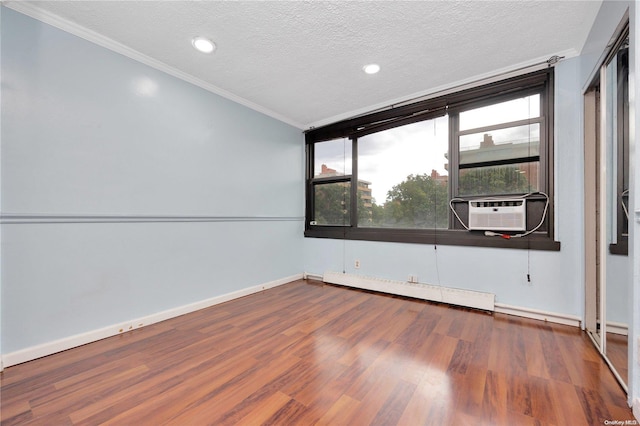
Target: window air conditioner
point(498, 215)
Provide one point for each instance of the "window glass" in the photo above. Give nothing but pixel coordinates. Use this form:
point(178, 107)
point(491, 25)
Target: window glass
point(404, 170)
point(505, 179)
point(503, 112)
point(332, 201)
point(332, 158)
point(503, 144)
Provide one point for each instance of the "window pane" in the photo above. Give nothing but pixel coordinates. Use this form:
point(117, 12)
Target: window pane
point(504, 112)
point(332, 203)
point(402, 176)
point(508, 179)
point(332, 158)
point(503, 144)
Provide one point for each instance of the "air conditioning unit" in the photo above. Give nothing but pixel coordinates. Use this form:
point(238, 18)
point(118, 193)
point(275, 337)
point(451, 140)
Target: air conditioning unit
point(498, 215)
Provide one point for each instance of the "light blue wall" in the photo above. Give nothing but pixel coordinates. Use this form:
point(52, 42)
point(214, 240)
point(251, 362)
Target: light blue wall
point(556, 277)
point(86, 131)
point(618, 288)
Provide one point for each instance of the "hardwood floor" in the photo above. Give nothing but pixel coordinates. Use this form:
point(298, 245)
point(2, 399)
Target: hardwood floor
point(307, 353)
point(618, 354)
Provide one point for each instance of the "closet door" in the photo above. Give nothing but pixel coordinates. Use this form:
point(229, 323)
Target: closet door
point(607, 264)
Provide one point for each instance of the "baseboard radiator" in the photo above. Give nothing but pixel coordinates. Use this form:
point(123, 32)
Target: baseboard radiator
point(452, 296)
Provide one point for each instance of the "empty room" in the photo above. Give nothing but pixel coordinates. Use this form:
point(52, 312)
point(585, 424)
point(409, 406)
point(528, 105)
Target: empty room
point(328, 212)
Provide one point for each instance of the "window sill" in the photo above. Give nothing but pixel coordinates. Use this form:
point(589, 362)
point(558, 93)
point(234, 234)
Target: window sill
point(440, 237)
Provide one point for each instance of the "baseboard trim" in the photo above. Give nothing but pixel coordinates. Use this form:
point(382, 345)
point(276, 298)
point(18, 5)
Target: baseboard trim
point(617, 328)
point(49, 348)
point(308, 276)
point(537, 314)
point(452, 296)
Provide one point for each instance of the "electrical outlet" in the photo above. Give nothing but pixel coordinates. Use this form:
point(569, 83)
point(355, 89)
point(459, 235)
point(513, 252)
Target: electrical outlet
point(413, 278)
point(357, 264)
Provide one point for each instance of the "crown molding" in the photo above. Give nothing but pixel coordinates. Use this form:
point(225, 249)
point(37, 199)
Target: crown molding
point(26, 8)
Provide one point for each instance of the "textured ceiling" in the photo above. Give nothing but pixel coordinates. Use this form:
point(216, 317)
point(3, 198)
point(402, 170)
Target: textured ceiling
point(302, 61)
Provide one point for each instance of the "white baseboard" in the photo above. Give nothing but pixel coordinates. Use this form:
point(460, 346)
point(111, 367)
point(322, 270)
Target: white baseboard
point(308, 276)
point(537, 314)
point(63, 344)
point(452, 296)
point(617, 328)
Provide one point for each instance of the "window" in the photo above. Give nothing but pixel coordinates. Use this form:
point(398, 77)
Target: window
point(413, 195)
point(407, 174)
point(500, 157)
point(331, 190)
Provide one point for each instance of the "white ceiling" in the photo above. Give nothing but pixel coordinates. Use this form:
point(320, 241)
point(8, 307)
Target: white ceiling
point(302, 62)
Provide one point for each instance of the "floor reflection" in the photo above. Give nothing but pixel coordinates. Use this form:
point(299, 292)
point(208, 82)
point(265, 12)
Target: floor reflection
point(617, 352)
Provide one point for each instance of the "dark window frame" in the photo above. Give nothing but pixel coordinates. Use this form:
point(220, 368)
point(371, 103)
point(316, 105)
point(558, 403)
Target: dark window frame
point(621, 246)
point(452, 104)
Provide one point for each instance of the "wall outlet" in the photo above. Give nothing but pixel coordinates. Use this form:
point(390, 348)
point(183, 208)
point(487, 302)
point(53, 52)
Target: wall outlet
point(357, 264)
point(413, 279)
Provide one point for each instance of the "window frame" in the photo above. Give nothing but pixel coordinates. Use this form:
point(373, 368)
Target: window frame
point(541, 81)
point(456, 134)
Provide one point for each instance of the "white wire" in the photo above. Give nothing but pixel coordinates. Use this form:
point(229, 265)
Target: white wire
point(544, 216)
point(456, 213)
point(624, 206)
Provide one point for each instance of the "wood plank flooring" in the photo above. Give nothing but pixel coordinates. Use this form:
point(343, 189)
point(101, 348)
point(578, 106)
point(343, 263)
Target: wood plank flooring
point(306, 353)
point(618, 354)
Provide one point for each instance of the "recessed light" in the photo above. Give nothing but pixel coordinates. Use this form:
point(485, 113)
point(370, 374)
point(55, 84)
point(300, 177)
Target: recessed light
point(203, 44)
point(371, 68)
